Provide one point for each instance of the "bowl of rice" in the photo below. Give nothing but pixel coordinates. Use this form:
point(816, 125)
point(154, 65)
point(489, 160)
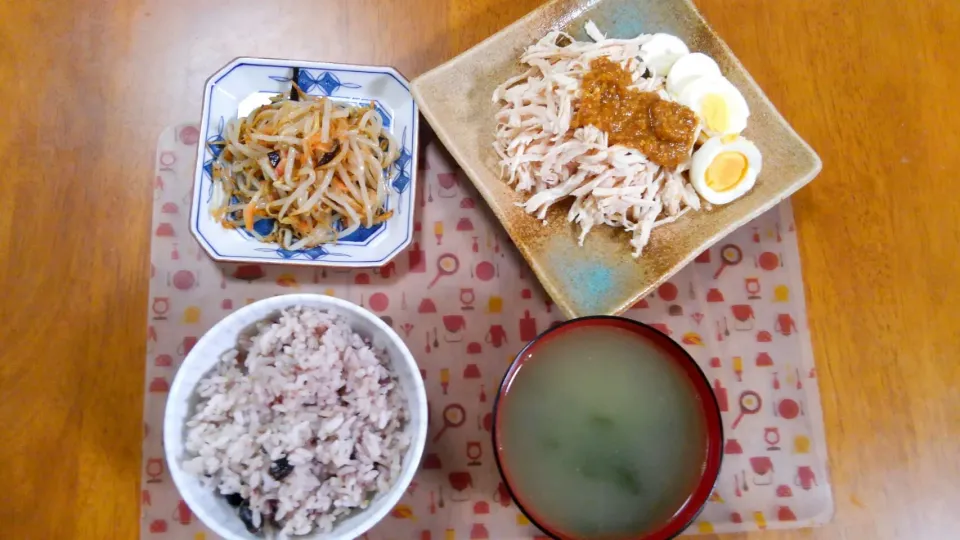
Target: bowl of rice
point(296, 416)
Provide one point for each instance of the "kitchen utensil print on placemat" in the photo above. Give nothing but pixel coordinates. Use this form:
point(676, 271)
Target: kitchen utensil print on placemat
point(447, 265)
point(731, 308)
point(453, 416)
point(750, 404)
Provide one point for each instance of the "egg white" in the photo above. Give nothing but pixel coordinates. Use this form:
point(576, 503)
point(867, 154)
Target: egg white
point(695, 91)
point(661, 52)
point(688, 68)
point(703, 158)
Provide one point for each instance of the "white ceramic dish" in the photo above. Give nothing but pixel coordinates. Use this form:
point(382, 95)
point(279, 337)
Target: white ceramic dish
point(213, 509)
point(246, 83)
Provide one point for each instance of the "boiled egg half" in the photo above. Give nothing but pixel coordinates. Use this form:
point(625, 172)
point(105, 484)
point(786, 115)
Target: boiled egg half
point(689, 68)
point(718, 104)
point(661, 51)
point(724, 168)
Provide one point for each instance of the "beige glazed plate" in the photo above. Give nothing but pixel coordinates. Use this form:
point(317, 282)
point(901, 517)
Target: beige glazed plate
point(601, 277)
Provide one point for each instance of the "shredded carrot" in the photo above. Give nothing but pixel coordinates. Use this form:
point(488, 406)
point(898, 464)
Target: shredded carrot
point(303, 225)
point(322, 146)
point(283, 163)
point(248, 215)
point(383, 217)
point(339, 126)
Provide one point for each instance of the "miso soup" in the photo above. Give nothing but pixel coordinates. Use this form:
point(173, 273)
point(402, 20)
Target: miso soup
point(601, 434)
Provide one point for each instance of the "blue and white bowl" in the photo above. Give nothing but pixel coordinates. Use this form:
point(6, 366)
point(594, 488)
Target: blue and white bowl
point(246, 83)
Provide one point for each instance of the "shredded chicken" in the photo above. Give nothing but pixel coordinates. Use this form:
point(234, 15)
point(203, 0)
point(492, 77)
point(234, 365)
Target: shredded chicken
point(540, 155)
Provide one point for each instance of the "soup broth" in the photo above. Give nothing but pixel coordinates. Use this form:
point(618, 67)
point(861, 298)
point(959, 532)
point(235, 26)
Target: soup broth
point(601, 434)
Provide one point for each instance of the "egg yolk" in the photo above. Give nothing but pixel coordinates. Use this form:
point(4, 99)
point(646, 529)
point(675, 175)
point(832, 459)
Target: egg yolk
point(715, 112)
point(726, 171)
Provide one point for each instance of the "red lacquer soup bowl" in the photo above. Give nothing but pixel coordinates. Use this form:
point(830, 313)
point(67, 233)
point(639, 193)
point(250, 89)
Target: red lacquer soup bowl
point(668, 351)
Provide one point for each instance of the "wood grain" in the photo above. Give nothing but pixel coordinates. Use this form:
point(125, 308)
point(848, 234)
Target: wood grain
point(87, 86)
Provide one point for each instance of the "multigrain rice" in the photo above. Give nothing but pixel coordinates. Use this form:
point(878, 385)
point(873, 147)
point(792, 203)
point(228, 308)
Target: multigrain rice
point(302, 422)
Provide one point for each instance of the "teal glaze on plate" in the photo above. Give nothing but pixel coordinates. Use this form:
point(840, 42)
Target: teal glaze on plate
point(591, 283)
point(621, 18)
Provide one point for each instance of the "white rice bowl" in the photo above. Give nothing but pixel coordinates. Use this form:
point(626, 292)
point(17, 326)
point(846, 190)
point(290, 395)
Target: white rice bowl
point(323, 422)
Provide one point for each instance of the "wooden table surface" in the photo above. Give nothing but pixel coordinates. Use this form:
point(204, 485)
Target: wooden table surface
point(88, 86)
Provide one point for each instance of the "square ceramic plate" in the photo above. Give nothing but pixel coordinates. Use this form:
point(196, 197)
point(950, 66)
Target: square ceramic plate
point(602, 277)
point(246, 83)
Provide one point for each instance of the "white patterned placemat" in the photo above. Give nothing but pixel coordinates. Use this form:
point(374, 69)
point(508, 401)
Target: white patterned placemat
point(738, 309)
